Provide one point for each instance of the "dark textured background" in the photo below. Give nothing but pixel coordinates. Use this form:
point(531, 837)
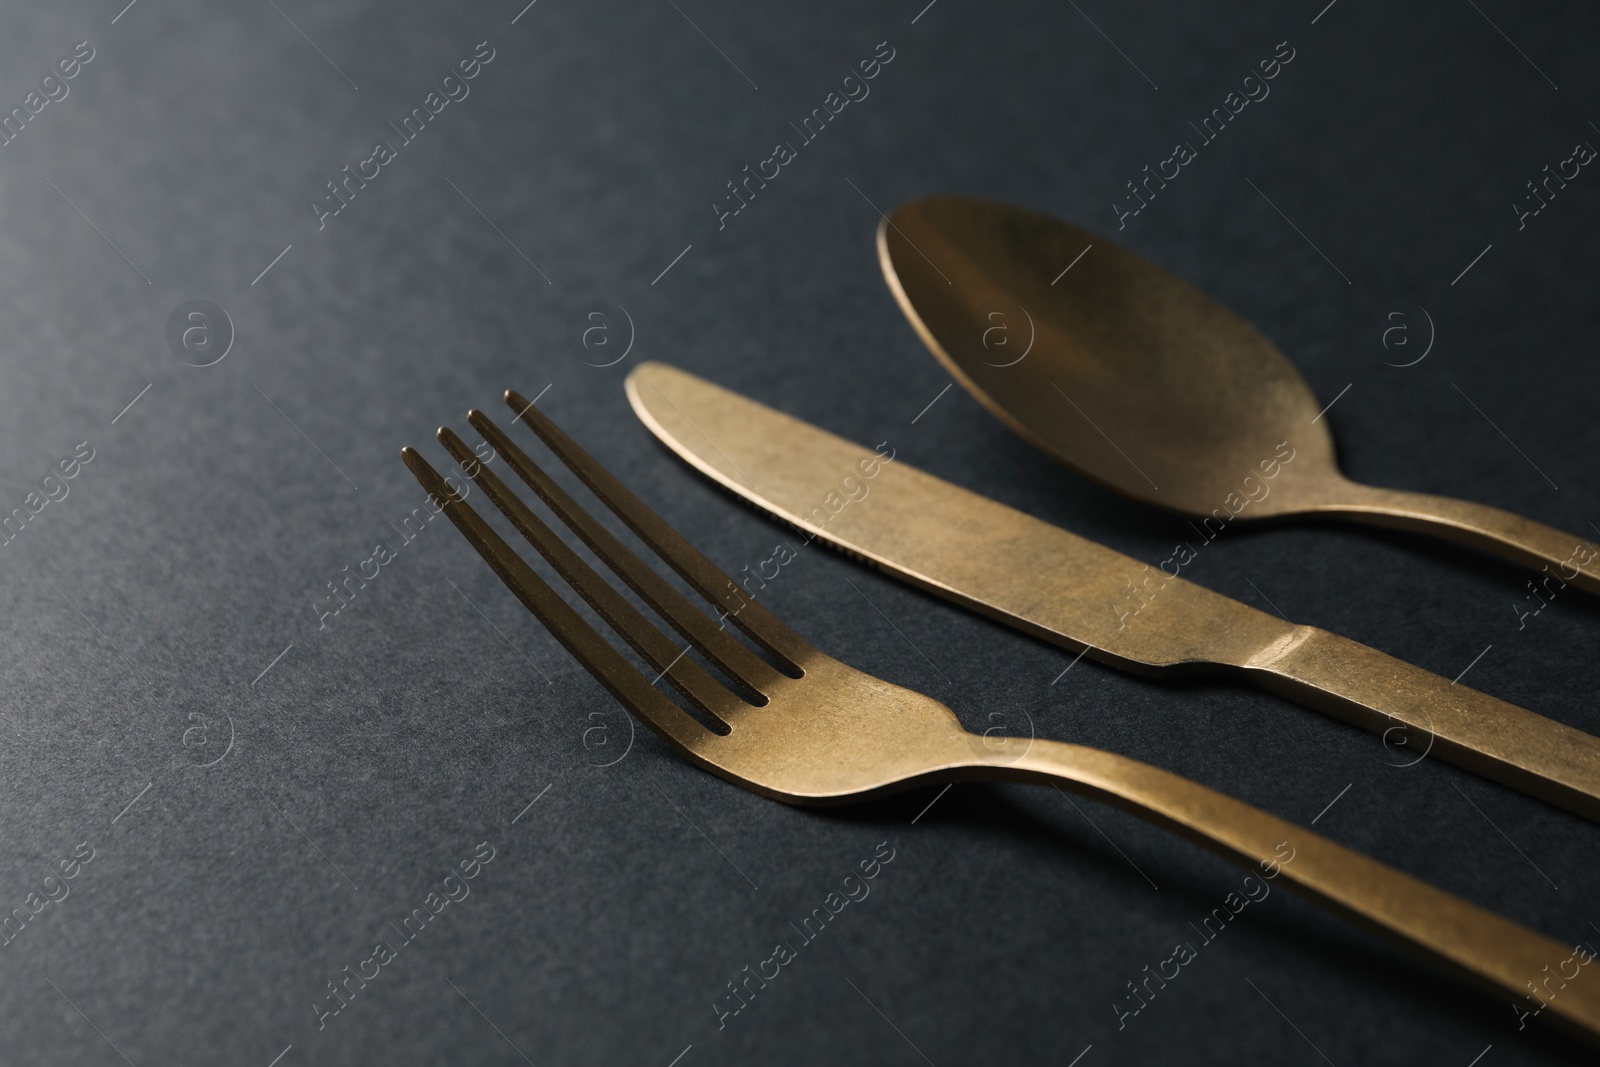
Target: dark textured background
point(190, 551)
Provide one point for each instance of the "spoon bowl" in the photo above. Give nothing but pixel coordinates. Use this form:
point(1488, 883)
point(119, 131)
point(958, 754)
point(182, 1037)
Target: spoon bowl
point(1129, 374)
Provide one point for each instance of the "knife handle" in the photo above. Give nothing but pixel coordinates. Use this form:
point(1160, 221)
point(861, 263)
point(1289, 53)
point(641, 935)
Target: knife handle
point(1566, 559)
point(1494, 951)
point(1431, 716)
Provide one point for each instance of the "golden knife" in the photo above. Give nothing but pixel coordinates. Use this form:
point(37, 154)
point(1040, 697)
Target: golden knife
point(1085, 597)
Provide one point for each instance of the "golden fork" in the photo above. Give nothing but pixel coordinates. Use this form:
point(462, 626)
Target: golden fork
point(816, 731)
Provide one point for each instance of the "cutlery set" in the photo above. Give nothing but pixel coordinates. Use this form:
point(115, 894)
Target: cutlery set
point(1138, 380)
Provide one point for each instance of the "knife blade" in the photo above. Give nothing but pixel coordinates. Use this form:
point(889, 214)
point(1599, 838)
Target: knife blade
point(1085, 597)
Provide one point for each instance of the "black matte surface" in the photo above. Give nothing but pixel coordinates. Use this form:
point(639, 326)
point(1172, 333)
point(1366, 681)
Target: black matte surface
point(377, 752)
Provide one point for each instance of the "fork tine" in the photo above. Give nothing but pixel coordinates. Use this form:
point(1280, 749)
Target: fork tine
point(710, 582)
point(605, 663)
point(687, 676)
point(729, 655)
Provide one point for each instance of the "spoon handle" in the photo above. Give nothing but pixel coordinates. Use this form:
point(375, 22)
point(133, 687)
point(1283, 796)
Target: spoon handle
point(1420, 714)
point(1566, 559)
point(1535, 971)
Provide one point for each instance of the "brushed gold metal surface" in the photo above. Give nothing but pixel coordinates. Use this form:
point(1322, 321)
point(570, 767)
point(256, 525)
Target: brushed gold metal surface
point(1147, 384)
point(1074, 592)
point(822, 732)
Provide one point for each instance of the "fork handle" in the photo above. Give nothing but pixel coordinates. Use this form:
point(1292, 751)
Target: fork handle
point(1564, 558)
point(1538, 973)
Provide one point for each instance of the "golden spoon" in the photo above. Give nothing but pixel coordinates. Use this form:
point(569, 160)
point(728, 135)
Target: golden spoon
point(1138, 379)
